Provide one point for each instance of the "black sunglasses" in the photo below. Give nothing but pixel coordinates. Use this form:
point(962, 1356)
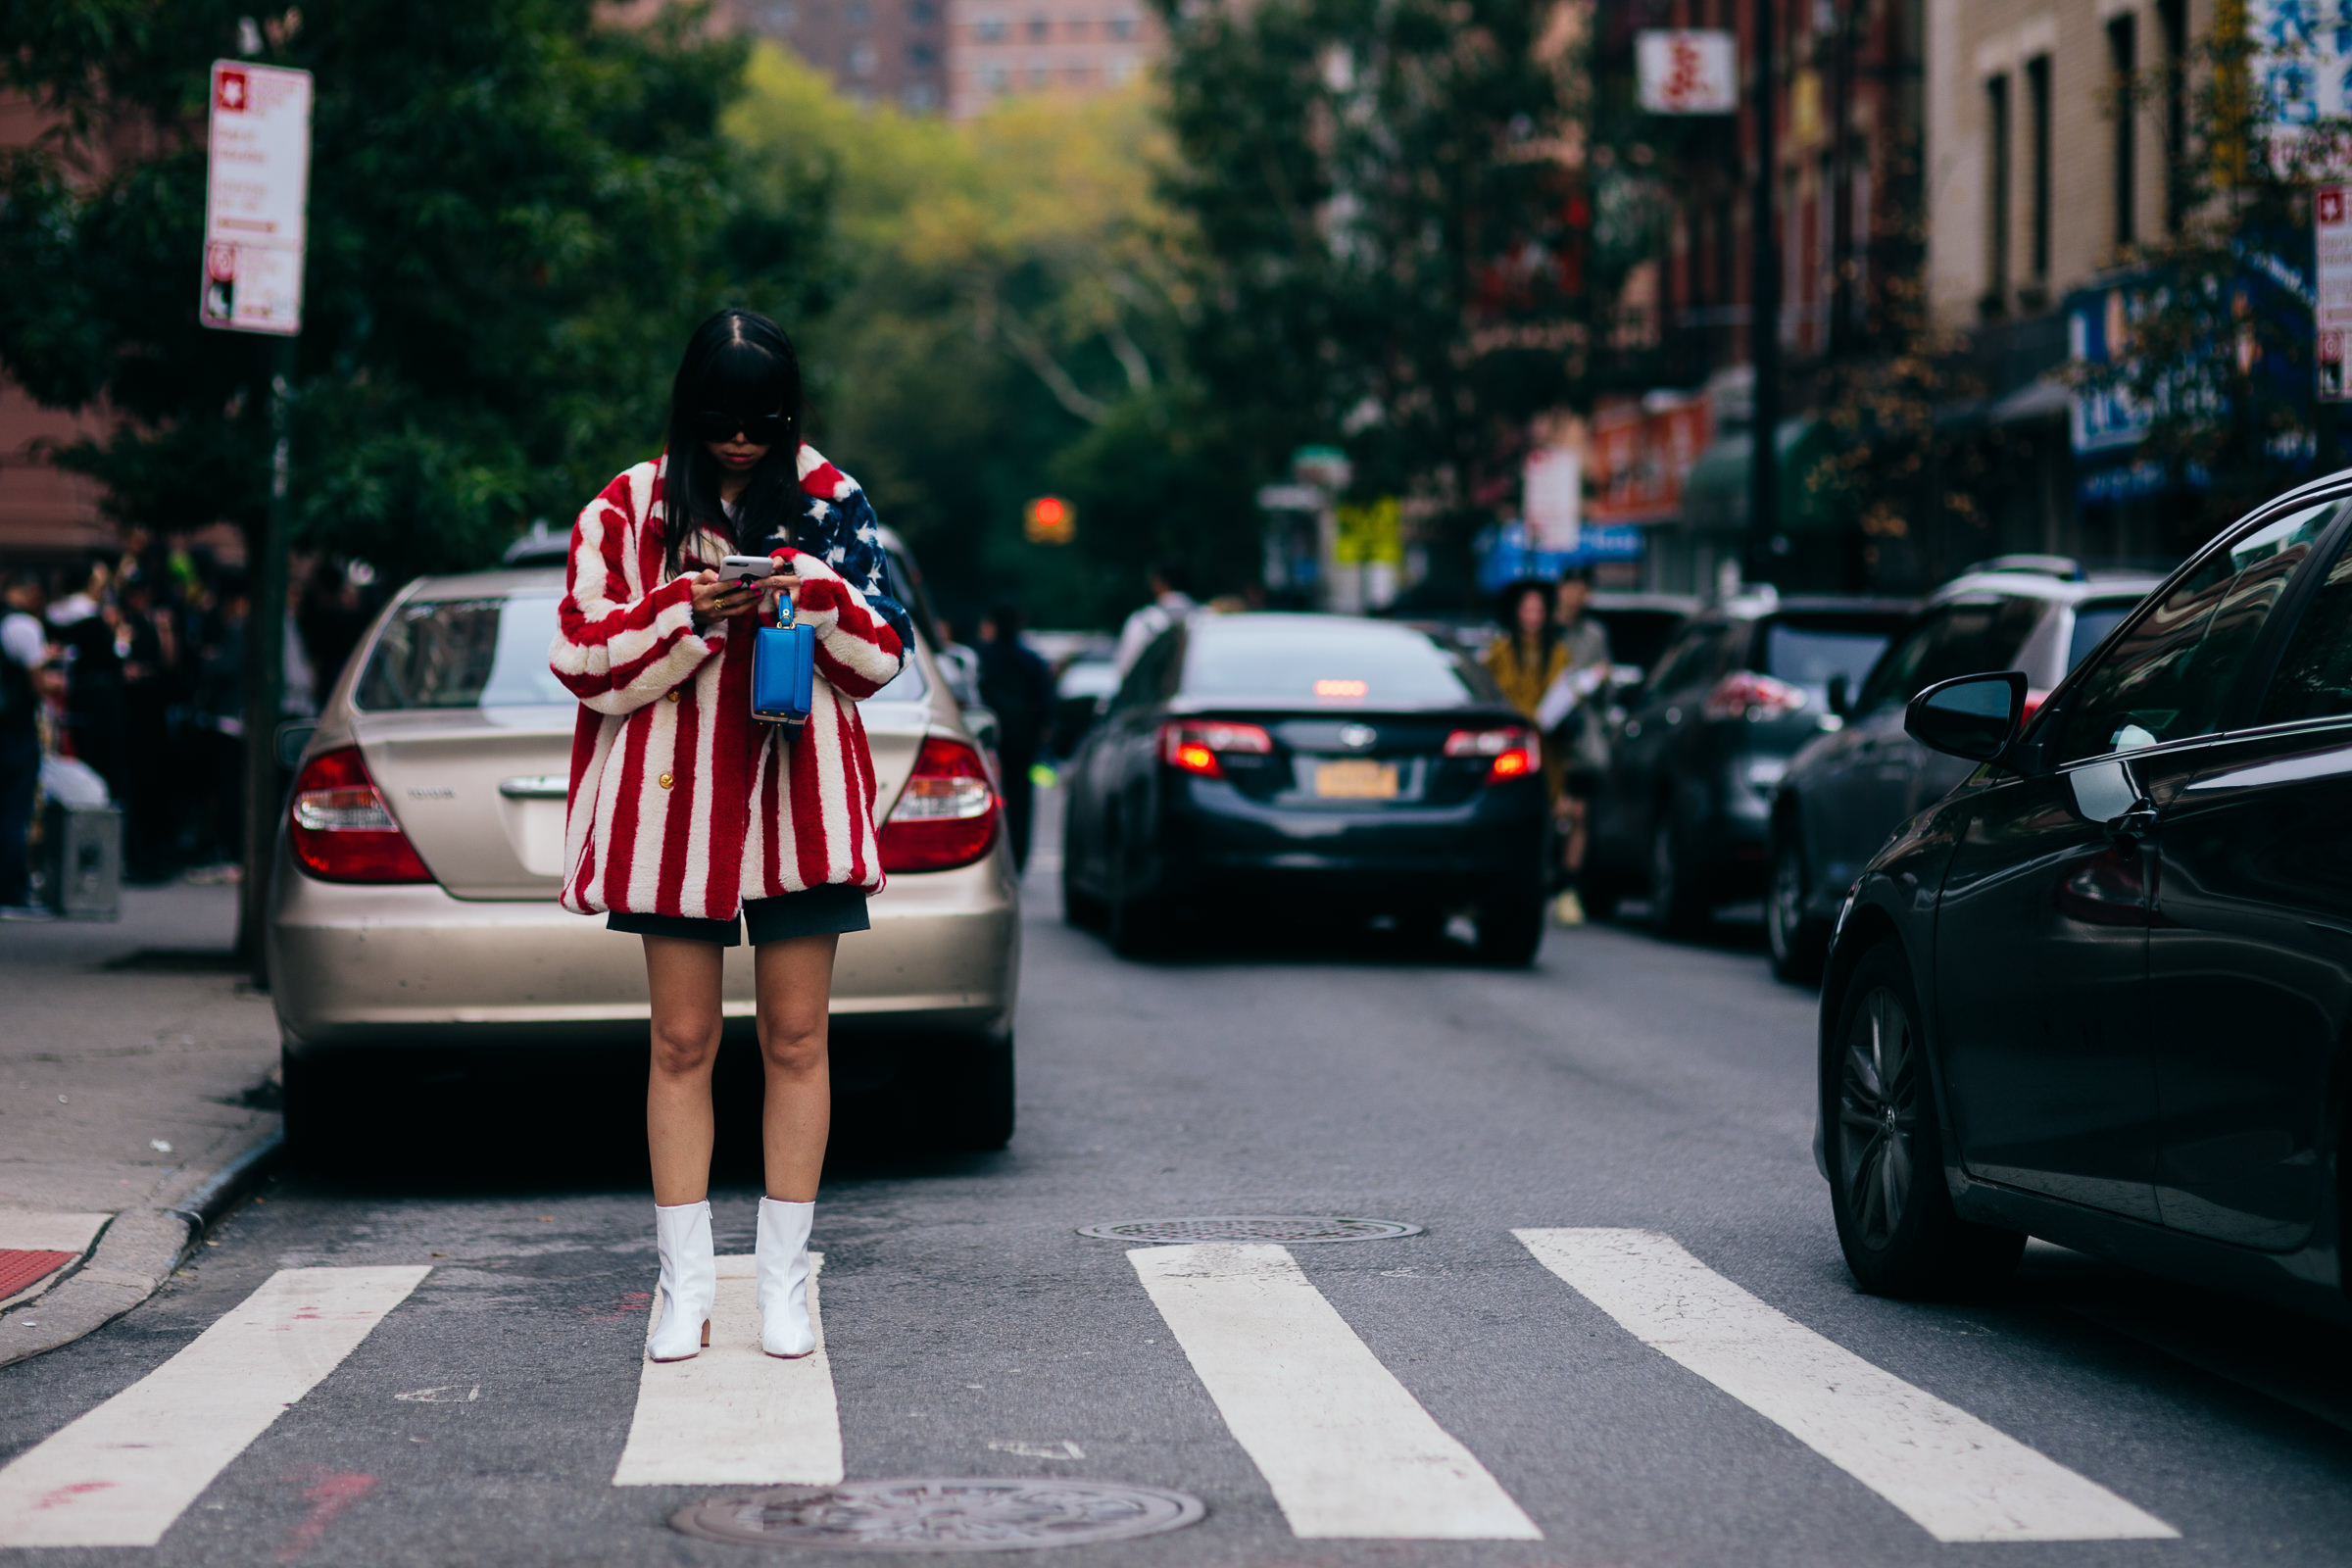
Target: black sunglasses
point(760, 429)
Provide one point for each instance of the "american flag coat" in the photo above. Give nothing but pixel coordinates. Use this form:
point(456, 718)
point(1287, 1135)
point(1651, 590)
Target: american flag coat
point(681, 803)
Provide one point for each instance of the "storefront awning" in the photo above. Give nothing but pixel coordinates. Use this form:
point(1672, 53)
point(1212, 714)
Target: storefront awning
point(1715, 496)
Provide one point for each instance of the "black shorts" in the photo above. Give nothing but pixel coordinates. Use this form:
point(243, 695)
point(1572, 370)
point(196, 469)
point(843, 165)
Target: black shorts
point(828, 911)
point(1581, 783)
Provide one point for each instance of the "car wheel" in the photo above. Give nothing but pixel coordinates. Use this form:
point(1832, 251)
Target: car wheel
point(1078, 908)
point(1884, 1148)
point(1797, 940)
point(1135, 925)
point(1510, 929)
point(972, 1095)
point(1676, 906)
point(1600, 890)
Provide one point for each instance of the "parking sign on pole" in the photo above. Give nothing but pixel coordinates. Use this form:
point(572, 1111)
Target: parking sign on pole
point(2332, 240)
point(256, 198)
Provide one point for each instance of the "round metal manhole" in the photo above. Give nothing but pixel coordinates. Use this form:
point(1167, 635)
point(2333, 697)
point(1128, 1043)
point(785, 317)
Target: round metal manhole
point(1288, 1228)
point(933, 1514)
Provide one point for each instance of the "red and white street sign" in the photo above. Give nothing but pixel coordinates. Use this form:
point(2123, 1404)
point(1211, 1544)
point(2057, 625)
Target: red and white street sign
point(1553, 496)
point(256, 198)
point(1687, 70)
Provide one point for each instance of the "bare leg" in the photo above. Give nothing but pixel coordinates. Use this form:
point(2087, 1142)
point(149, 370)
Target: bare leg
point(796, 991)
point(1572, 834)
point(684, 978)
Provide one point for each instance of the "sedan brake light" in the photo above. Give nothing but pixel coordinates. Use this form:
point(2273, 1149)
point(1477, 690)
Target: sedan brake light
point(1745, 694)
point(1193, 744)
point(2035, 698)
point(947, 815)
point(1513, 751)
point(342, 830)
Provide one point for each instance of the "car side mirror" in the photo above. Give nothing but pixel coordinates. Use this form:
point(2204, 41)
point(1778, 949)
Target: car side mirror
point(292, 738)
point(1841, 696)
point(1975, 716)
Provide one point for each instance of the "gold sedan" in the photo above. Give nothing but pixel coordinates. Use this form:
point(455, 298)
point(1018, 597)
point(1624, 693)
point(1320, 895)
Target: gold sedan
point(413, 904)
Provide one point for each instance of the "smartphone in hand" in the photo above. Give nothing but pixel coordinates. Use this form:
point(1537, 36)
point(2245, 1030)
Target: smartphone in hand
point(748, 569)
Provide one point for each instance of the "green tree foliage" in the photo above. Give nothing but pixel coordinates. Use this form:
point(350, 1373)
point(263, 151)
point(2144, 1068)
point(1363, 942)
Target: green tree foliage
point(1392, 233)
point(517, 216)
point(1012, 314)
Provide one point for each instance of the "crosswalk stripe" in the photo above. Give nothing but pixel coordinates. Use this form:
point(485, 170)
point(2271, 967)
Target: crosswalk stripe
point(1956, 1477)
point(1347, 1450)
point(735, 1415)
point(123, 1472)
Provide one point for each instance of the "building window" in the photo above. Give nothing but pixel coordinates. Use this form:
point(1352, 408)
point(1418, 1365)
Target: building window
point(2122, 59)
point(996, 79)
point(922, 56)
point(1120, 70)
point(1077, 76)
point(2172, 15)
point(2038, 173)
point(857, 15)
point(1998, 195)
point(861, 60)
point(920, 98)
point(1122, 26)
point(989, 29)
point(1075, 27)
point(1040, 74)
point(923, 13)
point(1040, 28)
point(778, 15)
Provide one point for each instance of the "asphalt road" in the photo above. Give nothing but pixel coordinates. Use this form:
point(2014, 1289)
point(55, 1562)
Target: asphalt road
point(1626, 1084)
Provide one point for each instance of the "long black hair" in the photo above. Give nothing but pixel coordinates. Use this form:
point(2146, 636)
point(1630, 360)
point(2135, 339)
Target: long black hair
point(1506, 610)
point(738, 363)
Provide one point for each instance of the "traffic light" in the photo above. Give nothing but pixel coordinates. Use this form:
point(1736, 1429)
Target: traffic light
point(1049, 520)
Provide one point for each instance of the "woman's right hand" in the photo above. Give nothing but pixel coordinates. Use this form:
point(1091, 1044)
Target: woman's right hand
point(716, 599)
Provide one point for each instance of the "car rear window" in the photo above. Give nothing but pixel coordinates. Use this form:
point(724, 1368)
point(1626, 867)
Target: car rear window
point(2093, 622)
point(1808, 653)
point(1639, 636)
point(1341, 666)
point(465, 652)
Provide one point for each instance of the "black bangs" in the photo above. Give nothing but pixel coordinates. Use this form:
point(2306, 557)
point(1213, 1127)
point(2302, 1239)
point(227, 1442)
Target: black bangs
point(742, 378)
point(739, 363)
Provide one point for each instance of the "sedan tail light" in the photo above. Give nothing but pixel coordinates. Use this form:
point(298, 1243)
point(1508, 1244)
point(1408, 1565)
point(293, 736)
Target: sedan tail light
point(1745, 694)
point(1192, 746)
point(2035, 698)
point(947, 815)
point(342, 829)
point(1513, 751)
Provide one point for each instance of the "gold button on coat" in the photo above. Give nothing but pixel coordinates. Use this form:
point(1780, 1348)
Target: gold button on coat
point(674, 697)
point(664, 781)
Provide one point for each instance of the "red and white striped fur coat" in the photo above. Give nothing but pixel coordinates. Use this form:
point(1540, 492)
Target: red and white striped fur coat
point(681, 803)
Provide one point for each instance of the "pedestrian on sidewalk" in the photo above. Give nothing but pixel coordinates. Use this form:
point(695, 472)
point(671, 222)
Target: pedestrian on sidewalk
point(1171, 603)
point(23, 649)
point(689, 818)
point(1581, 738)
point(1019, 688)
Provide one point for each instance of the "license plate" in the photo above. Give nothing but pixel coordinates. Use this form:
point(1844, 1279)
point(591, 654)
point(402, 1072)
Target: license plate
point(1356, 779)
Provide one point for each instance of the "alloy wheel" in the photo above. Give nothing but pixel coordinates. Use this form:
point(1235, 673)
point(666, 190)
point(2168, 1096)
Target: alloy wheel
point(1785, 906)
point(1878, 1114)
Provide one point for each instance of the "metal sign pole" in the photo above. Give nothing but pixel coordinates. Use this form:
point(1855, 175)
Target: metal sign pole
point(255, 234)
point(1764, 323)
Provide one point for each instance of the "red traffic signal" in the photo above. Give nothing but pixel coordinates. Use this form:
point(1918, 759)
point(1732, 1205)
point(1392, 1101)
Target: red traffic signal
point(1049, 520)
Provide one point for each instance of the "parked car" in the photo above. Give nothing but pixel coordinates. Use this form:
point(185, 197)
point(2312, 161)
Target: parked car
point(414, 906)
point(1640, 626)
point(1081, 689)
point(1863, 777)
point(1684, 808)
point(2101, 992)
point(1349, 762)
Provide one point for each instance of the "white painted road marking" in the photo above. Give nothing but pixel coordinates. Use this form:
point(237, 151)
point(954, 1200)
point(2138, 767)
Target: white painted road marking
point(1347, 1450)
point(122, 1473)
point(735, 1415)
point(1958, 1478)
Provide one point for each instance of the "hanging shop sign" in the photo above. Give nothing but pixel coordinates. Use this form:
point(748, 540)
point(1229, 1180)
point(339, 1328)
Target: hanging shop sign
point(1687, 70)
point(256, 198)
point(1553, 497)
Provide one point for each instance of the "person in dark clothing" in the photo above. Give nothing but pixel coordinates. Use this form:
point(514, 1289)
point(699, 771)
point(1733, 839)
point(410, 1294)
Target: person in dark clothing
point(218, 699)
point(24, 645)
point(146, 733)
point(1015, 682)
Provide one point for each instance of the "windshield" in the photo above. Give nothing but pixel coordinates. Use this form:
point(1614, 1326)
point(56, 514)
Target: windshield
point(1337, 664)
point(465, 652)
point(1808, 655)
point(2092, 624)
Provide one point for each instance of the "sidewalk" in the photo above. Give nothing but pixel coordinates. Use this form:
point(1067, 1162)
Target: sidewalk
point(135, 1075)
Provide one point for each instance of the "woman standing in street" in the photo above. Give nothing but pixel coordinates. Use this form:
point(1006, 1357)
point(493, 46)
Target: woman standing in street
point(1527, 659)
point(689, 818)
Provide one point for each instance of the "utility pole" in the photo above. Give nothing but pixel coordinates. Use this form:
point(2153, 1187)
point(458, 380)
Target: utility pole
point(1764, 320)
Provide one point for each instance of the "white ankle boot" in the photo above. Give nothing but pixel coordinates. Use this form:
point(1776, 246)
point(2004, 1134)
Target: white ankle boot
point(689, 1281)
point(783, 1293)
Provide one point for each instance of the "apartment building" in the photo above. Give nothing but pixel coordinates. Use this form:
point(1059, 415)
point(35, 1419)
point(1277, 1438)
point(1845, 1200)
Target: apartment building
point(998, 48)
point(877, 51)
point(2052, 126)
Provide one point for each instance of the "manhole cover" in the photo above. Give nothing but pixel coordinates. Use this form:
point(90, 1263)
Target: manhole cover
point(1287, 1228)
point(938, 1515)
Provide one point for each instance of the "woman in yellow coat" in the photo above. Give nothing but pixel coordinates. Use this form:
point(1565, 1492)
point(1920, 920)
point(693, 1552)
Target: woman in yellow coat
point(1525, 661)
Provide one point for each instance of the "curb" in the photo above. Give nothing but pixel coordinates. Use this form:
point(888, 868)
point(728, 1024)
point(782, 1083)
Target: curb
point(139, 1249)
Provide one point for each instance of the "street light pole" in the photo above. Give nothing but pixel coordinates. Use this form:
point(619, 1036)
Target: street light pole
point(1764, 320)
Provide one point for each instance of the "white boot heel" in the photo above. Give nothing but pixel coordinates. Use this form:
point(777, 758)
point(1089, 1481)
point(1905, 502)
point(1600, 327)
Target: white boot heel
point(689, 1281)
point(783, 1292)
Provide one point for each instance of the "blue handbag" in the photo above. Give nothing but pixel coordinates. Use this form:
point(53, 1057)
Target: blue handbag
point(783, 667)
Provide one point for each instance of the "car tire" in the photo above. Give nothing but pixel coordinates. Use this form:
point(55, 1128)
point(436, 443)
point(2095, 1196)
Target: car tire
point(1135, 926)
point(1884, 1146)
point(1678, 906)
point(1079, 908)
point(1510, 929)
point(972, 1095)
point(1797, 940)
point(1600, 890)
